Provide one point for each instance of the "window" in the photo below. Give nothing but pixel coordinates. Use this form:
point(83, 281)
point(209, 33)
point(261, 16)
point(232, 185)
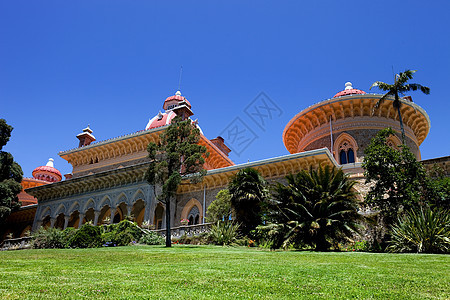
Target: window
point(194, 216)
point(345, 148)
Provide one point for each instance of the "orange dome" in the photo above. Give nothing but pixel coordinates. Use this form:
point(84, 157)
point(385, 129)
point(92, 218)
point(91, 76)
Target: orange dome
point(47, 173)
point(349, 90)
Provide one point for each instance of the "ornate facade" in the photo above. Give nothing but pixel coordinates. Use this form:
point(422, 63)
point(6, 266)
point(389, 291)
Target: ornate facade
point(108, 182)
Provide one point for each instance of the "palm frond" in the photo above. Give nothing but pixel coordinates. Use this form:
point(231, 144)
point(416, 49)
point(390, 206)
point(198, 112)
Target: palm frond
point(416, 86)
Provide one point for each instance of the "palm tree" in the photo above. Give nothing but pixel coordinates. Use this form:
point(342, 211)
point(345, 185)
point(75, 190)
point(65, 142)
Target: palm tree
point(399, 87)
point(316, 207)
point(248, 190)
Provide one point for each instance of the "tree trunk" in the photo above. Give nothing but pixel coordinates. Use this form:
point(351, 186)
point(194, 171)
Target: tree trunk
point(400, 118)
point(168, 231)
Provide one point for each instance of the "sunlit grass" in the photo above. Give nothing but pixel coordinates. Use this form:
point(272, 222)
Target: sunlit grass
point(205, 272)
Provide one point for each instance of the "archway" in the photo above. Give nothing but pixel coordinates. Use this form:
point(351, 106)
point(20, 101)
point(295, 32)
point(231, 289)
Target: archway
point(105, 215)
point(74, 219)
point(46, 222)
point(89, 216)
point(138, 211)
point(158, 218)
point(121, 212)
point(193, 212)
point(59, 223)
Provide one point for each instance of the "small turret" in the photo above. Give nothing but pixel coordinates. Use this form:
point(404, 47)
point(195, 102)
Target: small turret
point(85, 137)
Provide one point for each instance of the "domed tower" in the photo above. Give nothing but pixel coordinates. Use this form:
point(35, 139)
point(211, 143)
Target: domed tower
point(346, 123)
point(173, 106)
point(47, 173)
point(41, 175)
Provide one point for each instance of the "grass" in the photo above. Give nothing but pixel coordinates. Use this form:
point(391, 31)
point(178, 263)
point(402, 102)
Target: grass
point(209, 272)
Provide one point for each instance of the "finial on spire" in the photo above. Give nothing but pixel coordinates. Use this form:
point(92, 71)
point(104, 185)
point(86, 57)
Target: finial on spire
point(179, 81)
point(178, 93)
point(50, 162)
point(348, 85)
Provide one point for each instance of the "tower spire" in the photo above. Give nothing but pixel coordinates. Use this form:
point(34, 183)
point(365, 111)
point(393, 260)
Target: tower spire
point(179, 81)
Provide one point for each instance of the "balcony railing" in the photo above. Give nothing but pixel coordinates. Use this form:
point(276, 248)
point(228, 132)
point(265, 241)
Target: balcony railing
point(188, 230)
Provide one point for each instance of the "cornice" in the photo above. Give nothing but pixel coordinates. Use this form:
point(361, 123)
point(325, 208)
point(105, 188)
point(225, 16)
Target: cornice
point(352, 106)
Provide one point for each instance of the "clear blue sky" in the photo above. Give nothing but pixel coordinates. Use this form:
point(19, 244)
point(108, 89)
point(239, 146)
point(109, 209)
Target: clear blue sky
point(111, 64)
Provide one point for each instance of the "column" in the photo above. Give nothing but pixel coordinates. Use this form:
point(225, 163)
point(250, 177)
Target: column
point(96, 215)
point(52, 222)
point(66, 221)
point(81, 217)
point(113, 212)
point(129, 210)
point(38, 224)
point(147, 213)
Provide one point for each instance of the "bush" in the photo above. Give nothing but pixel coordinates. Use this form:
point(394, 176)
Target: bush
point(152, 238)
point(88, 236)
point(224, 233)
point(49, 238)
point(426, 231)
point(359, 246)
point(122, 233)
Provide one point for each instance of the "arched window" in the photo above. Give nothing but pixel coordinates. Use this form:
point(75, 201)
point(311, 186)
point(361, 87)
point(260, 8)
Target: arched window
point(345, 148)
point(393, 142)
point(194, 216)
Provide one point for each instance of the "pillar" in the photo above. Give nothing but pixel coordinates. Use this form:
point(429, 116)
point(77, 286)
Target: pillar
point(52, 222)
point(96, 215)
point(66, 221)
point(81, 217)
point(129, 210)
point(113, 212)
point(38, 224)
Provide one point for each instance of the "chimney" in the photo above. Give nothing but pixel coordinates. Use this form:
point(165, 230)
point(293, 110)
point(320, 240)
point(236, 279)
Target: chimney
point(220, 143)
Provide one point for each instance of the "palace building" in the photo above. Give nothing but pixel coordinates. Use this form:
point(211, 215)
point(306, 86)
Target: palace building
point(108, 183)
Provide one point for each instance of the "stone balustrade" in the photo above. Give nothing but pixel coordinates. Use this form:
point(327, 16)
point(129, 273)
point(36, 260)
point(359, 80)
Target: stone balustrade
point(16, 244)
point(188, 230)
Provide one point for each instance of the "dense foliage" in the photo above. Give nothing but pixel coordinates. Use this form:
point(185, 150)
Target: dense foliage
point(88, 236)
point(151, 238)
point(177, 154)
point(224, 233)
point(10, 175)
point(52, 238)
point(317, 208)
point(422, 231)
point(248, 190)
point(220, 208)
point(400, 86)
point(395, 177)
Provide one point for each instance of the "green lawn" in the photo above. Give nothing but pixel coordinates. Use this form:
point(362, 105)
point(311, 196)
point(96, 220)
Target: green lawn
point(205, 272)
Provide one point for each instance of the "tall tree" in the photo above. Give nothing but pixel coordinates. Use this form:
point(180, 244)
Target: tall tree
point(395, 177)
point(316, 208)
point(400, 86)
point(10, 175)
point(177, 154)
point(248, 191)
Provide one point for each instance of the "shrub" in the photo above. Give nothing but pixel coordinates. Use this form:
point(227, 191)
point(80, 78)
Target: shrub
point(151, 238)
point(425, 231)
point(224, 233)
point(359, 246)
point(122, 233)
point(87, 236)
point(49, 238)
